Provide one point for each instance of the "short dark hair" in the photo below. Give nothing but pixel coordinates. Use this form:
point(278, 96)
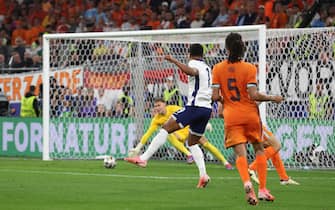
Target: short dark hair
point(32, 88)
point(196, 50)
point(235, 46)
point(159, 99)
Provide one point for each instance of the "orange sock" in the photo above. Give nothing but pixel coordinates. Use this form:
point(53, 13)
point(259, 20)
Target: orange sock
point(269, 152)
point(242, 167)
point(278, 164)
point(261, 170)
point(253, 165)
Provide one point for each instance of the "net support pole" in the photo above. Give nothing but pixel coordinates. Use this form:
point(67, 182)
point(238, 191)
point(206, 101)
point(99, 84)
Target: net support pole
point(46, 98)
point(262, 68)
point(137, 73)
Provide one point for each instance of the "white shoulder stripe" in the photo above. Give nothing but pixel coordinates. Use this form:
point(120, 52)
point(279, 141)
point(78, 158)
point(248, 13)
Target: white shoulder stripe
point(251, 85)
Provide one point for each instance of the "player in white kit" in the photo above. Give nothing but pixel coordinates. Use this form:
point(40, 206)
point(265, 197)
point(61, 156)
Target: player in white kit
point(196, 113)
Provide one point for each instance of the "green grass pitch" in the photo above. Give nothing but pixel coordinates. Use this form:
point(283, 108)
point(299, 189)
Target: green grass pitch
point(71, 185)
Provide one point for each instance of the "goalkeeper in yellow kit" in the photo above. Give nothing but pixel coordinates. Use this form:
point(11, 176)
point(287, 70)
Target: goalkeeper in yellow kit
point(162, 113)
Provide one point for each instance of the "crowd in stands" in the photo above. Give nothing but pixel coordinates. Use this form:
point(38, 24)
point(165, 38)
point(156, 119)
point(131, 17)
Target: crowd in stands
point(22, 22)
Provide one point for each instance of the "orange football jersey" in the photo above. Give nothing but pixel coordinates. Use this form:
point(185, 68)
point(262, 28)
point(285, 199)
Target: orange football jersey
point(233, 79)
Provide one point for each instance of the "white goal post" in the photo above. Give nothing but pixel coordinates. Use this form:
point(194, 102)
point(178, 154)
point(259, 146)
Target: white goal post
point(103, 85)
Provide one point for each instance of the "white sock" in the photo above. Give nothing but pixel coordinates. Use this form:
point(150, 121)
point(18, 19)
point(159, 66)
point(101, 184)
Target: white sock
point(155, 144)
point(198, 157)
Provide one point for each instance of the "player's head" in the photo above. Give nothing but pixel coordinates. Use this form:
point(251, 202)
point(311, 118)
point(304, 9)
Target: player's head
point(235, 47)
point(159, 106)
point(196, 50)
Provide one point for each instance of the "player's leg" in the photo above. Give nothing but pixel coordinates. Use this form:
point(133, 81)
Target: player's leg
point(279, 165)
point(198, 157)
point(180, 146)
point(271, 145)
point(242, 167)
point(234, 137)
point(215, 151)
point(170, 126)
point(198, 117)
point(135, 151)
point(263, 192)
point(182, 136)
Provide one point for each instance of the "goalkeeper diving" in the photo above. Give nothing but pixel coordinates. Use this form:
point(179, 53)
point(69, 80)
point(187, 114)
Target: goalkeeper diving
point(177, 138)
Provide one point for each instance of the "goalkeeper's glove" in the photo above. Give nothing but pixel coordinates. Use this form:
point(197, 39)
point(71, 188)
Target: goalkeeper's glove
point(209, 127)
point(135, 151)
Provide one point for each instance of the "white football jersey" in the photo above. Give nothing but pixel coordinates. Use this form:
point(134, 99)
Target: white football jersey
point(199, 87)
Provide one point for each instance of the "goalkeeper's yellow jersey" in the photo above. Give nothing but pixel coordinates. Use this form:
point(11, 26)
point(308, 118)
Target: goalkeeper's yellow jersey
point(159, 119)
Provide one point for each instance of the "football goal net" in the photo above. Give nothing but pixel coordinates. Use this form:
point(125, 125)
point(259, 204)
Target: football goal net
point(99, 89)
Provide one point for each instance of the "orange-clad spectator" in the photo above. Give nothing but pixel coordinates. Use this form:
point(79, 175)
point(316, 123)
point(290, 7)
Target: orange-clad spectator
point(49, 19)
point(235, 4)
point(154, 21)
point(117, 14)
point(195, 10)
point(36, 12)
point(3, 10)
point(64, 5)
point(136, 10)
point(33, 32)
point(75, 9)
point(19, 32)
point(268, 8)
point(279, 18)
point(298, 3)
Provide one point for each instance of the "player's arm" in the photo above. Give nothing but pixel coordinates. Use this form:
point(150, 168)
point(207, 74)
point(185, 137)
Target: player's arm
point(186, 69)
point(253, 92)
point(259, 97)
point(216, 96)
point(216, 93)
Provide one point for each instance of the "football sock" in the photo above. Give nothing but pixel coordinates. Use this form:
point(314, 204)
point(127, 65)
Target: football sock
point(261, 170)
point(156, 143)
point(210, 147)
point(242, 167)
point(198, 157)
point(278, 164)
point(178, 144)
point(138, 147)
point(268, 152)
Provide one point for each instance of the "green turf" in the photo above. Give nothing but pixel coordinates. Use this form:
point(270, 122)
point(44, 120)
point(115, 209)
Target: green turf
point(61, 185)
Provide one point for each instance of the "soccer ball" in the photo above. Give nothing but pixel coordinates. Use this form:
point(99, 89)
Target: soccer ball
point(109, 162)
point(317, 155)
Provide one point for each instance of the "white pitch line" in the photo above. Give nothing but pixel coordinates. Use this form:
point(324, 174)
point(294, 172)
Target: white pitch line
point(140, 177)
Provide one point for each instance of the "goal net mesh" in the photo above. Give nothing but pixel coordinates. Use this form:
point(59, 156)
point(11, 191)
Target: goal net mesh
point(102, 91)
point(300, 66)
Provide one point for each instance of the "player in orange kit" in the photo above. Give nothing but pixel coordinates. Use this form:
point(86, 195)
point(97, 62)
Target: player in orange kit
point(235, 85)
point(272, 147)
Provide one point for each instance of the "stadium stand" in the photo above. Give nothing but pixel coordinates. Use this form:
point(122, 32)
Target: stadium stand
point(23, 22)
